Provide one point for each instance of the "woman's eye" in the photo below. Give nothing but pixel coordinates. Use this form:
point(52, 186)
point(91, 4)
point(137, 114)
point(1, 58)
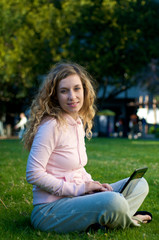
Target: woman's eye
point(63, 91)
point(77, 88)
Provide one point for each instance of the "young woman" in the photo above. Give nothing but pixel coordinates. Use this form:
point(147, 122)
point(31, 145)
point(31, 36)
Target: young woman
point(65, 197)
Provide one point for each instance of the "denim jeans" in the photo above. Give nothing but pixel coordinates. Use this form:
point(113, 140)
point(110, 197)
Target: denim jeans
point(110, 209)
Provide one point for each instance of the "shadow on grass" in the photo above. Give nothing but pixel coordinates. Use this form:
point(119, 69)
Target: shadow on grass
point(19, 227)
point(15, 226)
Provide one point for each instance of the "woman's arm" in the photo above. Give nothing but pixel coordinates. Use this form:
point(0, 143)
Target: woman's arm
point(36, 174)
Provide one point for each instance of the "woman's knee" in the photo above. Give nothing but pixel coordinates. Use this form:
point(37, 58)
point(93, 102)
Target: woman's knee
point(116, 212)
point(117, 203)
point(145, 186)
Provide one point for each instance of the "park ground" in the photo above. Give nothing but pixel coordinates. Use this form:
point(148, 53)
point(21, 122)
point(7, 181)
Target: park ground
point(109, 160)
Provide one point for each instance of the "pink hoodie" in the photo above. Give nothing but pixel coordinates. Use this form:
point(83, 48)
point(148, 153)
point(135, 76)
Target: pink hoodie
point(56, 161)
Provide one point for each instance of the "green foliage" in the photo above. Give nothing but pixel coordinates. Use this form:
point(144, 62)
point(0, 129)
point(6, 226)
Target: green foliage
point(154, 130)
point(30, 35)
point(109, 160)
point(106, 112)
point(113, 39)
point(116, 39)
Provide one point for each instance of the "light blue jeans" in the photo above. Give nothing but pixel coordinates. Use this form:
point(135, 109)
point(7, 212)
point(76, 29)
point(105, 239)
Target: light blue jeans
point(110, 209)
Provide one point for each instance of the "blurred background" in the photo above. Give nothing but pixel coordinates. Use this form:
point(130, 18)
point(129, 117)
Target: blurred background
point(117, 41)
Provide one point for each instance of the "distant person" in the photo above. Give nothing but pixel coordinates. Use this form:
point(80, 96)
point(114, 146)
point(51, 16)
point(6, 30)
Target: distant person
point(134, 126)
point(2, 119)
point(65, 197)
point(21, 125)
point(143, 129)
point(120, 127)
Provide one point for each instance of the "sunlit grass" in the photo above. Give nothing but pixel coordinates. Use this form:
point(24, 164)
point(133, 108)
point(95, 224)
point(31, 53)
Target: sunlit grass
point(109, 160)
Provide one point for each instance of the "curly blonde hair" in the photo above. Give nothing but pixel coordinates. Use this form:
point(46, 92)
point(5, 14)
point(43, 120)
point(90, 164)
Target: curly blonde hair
point(46, 104)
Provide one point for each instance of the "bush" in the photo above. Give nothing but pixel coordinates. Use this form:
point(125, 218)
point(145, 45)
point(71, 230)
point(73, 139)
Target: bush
point(154, 130)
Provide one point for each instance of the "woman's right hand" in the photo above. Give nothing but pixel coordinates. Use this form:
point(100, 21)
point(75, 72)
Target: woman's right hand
point(94, 186)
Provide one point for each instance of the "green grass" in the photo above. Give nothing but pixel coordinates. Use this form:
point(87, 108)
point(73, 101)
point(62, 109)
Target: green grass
point(109, 160)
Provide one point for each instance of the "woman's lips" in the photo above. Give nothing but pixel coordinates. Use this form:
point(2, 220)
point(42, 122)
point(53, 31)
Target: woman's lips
point(73, 104)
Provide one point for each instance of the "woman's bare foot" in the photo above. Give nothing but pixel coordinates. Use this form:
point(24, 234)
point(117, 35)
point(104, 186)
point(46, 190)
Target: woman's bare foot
point(141, 218)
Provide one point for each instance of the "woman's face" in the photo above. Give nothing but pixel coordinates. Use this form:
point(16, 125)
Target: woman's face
point(70, 94)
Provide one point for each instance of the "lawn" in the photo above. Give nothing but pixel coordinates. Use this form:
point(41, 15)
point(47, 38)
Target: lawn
point(109, 160)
